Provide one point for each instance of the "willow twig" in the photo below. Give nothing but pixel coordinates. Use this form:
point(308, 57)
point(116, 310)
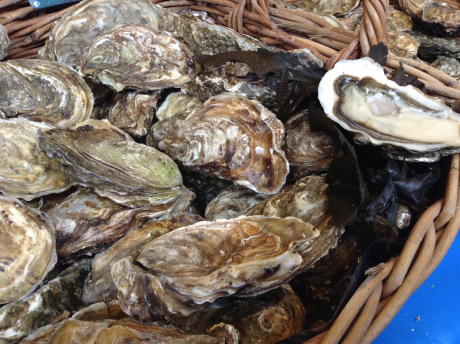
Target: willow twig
point(8, 17)
point(5, 3)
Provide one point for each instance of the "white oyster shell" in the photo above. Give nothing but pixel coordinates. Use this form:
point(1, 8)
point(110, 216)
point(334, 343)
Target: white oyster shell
point(4, 42)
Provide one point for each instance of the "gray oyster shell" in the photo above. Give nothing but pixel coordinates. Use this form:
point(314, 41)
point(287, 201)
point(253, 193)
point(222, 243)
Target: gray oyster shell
point(27, 246)
point(25, 171)
point(101, 286)
point(448, 65)
point(140, 58)
point(54, 302)
point(232, 202)
point(44, 91)
point(433, 47)
point(131, 112)
point(176, 104)
point(4, 42)
point(109, 161)
point(189, 268)
point(232, 138)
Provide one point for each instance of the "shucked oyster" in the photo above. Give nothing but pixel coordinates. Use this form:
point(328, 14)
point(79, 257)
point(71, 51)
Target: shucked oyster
point(187, 269)
point(25, 171)
point(136, 57)
point(44, 92)
point(357, 95)
point(4, 42)
point(109, 161)
point(27, 246)
point(232, 138)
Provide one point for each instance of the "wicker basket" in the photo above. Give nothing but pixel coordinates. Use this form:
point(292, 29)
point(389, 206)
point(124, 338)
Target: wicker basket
point(388, 285)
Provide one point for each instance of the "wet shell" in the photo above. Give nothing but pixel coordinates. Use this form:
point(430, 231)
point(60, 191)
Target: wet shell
point(176, 104)
point(402, 44)
point(449, 66)
point(4, 42)
point(27, 246)
point(397, 20)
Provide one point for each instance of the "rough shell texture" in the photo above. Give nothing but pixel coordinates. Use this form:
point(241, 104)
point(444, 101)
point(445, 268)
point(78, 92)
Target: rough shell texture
point(337, 7)
point(233, 202)
point(4, 42)
point(307, 151)
point(101, 311)
point(42, 335)
point(132, 112)
point(442, 16)
point(27, 246)
point(114, 166)
point(101, 287)
point(54, 302)
point(433, 47)
point(44, 91)
point(78, 28)
point(25, 171)
point(247, 255)
point(140, 58)
point(266, 318)
point(449, 66)
point(177, 103)
point(397, 20)
point(402, 44)
point(232, 138)
point(100, 92)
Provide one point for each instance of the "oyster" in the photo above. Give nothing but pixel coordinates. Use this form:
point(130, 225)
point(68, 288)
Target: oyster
point(42, 335)
point(352, 21)
point(176, 104)
point(358, 96)
point(109, 161)
point(27, 246)
point(54, 302)
point(397, 20)
point(100, 92)
point(101, 287)
point(337, 7)
point(44, 91)
point(266, 318)
point(233, 202)
point(307, 151)
point(449, 66)
point(132, 112)
point(4, 42)
point(140, 58)
point(433, 47)
point(25, 172)
point(402, 44)
point(101, 311)
point(232, 138)
point(183, 271)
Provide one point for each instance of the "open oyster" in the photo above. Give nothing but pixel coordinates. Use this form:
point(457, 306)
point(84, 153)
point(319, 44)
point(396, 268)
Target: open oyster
point(132, 112)
point(4, 42)
point(109, 161)
point(27, 246)
point(54, 302)
point(183, 271)
point(232, 138)
point(44, 91)
point(357, 95)
point(140, 58)
point(25, 171)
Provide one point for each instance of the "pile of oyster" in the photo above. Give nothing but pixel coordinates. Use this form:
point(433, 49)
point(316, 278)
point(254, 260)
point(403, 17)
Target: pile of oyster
point(161, 181)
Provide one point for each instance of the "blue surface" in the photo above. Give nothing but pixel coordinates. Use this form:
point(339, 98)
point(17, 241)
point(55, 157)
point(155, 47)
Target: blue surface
point(436, 302)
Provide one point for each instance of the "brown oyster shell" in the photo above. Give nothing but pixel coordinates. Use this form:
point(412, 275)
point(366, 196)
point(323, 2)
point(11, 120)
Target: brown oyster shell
point(100, 92)
point(232, 138)
point(25, 171)
point(402, 44)
point(4, 42)
point(101, 287)
point(446, 16)
point(54, 302)
point(232, 202)
point(44, 91)
point(101, 311)
point(97, 155)
point(175, 104)
point(307, 151)
point(397, 20)
point(132, 112)
point(27, 246)
point(140, 58)
point(185, 270)
point(337, 7)
point(266, 318)
point(42, 335)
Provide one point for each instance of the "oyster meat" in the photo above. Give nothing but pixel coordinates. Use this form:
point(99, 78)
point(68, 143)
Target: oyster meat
point(97, 155)
point(183, 271)
point(358, 96)
point(4, 42)
point(54, 302)
point(27, 246)
point(140, 58)
point(25, 171)
point(232, 138)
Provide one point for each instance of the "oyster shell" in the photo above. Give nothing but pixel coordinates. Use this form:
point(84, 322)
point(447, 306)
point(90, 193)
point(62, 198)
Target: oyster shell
point(187, 269)
point(232, 138)
point(27, 246)
point(177, 103)
point(132, 112)
point(101, 287)
point(44, 91)
point(232, 202)
point(42, 335)
point(100, 92)
point(402, 44)
point(397, 20)
point(101, 311)
point(266, 318)
point(449, 66)
point(358, 96)
point(54, 302)
point(337, 7)
point(140, 58)
point(307, 151)
point(109, 161)
point(433, 47)
point(25, 172)
point(4, 42)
